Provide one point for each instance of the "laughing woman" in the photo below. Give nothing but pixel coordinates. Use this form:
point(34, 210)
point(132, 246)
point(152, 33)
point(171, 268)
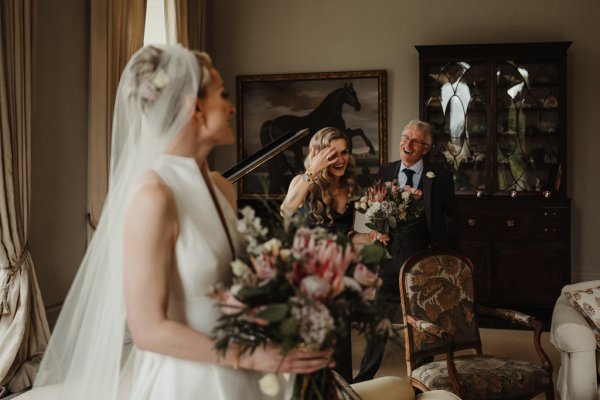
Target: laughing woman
point(325, 193)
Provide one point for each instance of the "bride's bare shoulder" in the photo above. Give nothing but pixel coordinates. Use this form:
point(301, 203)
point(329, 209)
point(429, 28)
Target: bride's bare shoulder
point(151, 198)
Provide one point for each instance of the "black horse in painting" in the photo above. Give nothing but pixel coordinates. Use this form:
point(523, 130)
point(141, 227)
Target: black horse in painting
point(327, 114)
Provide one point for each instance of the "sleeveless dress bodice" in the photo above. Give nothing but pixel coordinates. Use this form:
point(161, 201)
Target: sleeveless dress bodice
point(203, 257)
point(342, 222)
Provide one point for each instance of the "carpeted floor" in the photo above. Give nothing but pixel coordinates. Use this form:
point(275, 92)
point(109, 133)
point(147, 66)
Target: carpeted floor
point(503, 342)
point(507, 343)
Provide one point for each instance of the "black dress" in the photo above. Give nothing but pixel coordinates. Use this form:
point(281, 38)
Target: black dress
point(342, 224)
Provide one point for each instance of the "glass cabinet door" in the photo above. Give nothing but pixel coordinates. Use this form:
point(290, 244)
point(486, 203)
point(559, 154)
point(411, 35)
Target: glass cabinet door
point(527, 126)
point(455, 105)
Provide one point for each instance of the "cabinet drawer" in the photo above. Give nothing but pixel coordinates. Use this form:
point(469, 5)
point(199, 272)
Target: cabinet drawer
point(515, 223)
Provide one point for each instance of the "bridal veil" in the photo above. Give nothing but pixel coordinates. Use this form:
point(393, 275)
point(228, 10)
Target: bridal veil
point(155, 98)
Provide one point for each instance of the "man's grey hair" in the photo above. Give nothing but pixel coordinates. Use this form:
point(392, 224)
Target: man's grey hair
point(420, 126)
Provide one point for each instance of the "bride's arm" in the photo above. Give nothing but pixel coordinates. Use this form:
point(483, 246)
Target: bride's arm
point(150, 233)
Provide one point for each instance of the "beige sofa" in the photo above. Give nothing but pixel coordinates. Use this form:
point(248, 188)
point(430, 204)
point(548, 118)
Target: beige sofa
point(574, 339)
point(395, 388)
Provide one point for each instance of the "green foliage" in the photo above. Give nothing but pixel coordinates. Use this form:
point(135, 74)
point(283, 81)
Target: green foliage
point(273, 312)
point(372, 254)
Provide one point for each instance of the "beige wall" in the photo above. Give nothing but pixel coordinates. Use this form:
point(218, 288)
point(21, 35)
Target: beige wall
point(59, 145)
point(274, 36)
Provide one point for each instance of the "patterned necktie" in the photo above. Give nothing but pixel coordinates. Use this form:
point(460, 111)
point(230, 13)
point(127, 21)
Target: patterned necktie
point(409, 175)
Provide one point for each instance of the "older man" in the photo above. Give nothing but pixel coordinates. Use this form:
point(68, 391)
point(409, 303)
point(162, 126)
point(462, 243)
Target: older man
point(437, 226)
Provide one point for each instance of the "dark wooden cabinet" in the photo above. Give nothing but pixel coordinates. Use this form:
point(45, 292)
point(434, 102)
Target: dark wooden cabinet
point(498, 113)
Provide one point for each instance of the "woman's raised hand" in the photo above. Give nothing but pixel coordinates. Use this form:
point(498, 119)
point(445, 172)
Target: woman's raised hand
point(319, 160)
point(299, 361)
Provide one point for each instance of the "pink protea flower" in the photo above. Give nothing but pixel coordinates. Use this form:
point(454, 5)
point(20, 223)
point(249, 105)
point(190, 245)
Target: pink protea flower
point(326, 260)
point(376, 193)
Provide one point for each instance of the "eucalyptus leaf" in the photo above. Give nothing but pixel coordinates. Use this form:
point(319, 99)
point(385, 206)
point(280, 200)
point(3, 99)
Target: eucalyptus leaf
point(392, 221)
point(247, 293)
point(273, 312)
point(372, 253)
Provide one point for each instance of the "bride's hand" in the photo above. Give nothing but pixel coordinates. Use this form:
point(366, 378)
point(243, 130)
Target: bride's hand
point(300, 361)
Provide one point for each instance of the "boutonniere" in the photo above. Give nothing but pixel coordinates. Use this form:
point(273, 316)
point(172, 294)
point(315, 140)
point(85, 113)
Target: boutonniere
point(430, 174)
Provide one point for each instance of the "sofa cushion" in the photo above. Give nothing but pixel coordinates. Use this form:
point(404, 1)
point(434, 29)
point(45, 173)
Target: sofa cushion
point(587, 302)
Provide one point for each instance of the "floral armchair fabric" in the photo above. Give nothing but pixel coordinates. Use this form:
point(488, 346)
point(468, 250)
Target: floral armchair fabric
point(439, 309)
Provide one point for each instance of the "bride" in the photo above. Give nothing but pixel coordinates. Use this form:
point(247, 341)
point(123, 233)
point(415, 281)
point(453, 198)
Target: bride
point(167, 233)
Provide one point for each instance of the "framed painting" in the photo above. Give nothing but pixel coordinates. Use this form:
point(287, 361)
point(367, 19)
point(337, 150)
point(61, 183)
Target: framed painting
point(270, 106)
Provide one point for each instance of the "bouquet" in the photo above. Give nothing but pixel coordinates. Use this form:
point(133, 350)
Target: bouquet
point(389, 207)
point(300, 289)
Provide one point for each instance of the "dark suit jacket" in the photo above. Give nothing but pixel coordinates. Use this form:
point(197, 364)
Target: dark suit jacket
point(441, 210)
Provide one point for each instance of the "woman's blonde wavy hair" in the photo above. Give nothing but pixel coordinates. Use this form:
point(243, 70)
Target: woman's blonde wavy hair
point(320, 200)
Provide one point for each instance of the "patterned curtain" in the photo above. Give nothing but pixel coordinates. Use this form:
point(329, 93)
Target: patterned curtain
point(24, 329)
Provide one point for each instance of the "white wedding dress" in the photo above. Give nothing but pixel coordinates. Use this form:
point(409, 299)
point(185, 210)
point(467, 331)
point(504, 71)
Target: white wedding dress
point(203, 256)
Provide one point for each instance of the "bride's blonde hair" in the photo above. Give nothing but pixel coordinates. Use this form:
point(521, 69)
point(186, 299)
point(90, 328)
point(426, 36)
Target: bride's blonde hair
point(320, 200)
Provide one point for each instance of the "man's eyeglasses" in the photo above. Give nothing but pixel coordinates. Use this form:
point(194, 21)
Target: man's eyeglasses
point(415, 142)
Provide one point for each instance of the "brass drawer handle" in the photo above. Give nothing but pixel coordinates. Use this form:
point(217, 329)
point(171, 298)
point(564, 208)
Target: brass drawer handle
point(550, 230)
point(550, 214)
point(510, 223)
point(471, 221)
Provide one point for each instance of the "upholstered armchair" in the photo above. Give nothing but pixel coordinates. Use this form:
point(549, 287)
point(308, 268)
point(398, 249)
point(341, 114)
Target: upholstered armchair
point(439, 310)
point(573, 337)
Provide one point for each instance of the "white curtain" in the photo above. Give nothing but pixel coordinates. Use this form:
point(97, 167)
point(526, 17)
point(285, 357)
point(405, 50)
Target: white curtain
point(24, 329)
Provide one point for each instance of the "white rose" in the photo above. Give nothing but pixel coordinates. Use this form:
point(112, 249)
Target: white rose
point(352, 284)
point(315, 287)
point(248, 212)
point(242, 227)
point(375, 206)
point(430, 174)
point(405, 195)
point(160, 79)
point(285, 254)
point(238, 267)
point(272, 246)
point(269, 384)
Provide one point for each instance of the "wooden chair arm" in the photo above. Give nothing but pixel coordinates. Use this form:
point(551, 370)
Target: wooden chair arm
point(520, 318)
point(516, 317)
point(437, 331)
point(432, 329)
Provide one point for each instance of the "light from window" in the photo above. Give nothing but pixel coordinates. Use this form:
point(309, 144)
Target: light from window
point(155, 32)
